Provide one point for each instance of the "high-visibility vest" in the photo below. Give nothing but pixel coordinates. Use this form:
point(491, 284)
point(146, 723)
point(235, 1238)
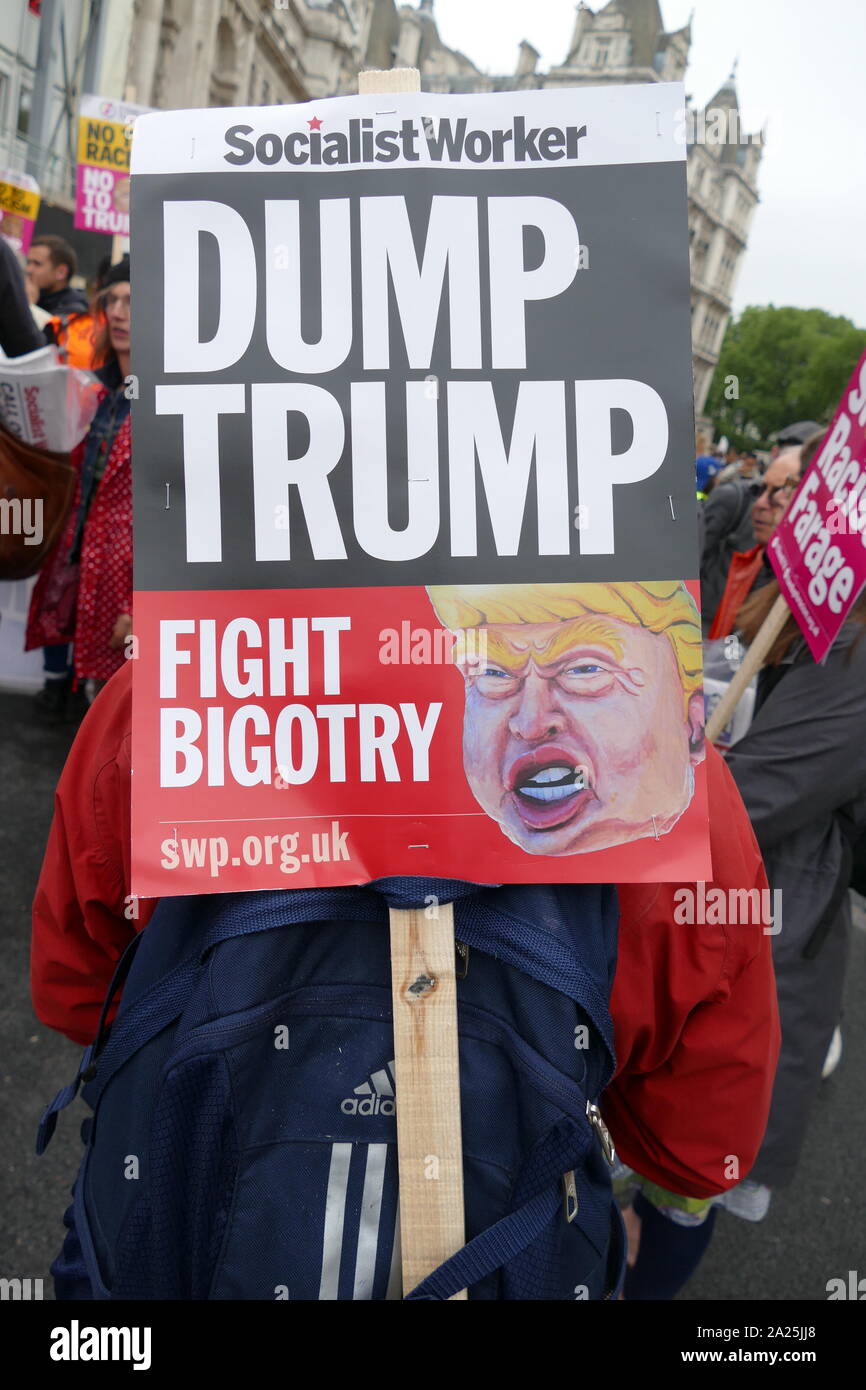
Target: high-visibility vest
point(74, 335)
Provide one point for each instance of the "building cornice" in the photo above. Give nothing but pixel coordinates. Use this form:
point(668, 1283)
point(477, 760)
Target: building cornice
point(718, 296)
point(710, 358)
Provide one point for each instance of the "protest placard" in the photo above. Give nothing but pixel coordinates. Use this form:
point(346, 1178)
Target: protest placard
point(102, 172)
point(415, 546)
point(818, 550)
point(19, 207)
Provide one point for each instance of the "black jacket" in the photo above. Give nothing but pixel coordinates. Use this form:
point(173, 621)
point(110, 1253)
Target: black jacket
point(18, 331)
point(800, 769)
point(65, 301)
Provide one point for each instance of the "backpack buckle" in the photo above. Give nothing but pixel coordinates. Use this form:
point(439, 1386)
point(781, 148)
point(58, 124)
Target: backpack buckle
point(593, 1114)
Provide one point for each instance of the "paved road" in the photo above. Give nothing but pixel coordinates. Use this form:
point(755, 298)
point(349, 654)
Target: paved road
point(815, 1231)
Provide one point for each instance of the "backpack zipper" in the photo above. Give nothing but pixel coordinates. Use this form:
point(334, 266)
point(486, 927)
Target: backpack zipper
point(570, 1203)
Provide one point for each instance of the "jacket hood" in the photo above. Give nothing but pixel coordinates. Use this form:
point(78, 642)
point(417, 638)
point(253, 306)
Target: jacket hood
point(65, 301)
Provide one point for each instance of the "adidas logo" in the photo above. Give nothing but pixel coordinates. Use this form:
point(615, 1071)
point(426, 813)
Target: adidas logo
point(373, 1097)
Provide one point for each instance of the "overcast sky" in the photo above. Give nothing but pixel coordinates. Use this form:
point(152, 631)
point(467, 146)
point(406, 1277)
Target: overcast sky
point(802, 69)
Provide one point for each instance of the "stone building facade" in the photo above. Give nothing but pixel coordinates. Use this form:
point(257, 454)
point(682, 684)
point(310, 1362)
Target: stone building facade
point(188, 53)
point(625, 41)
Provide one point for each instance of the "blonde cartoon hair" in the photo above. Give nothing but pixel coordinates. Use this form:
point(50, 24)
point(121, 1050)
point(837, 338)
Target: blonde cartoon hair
point(666, 607)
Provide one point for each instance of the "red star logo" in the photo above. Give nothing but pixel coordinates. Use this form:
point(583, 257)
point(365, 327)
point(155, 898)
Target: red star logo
point(315, 123)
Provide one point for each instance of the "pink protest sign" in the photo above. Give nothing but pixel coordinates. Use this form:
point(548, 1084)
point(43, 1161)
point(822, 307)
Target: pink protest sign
point(818, 550)
point(102, 173)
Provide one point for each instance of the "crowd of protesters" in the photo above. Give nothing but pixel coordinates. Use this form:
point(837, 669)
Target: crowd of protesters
point(801, 770)
point(700, 1066)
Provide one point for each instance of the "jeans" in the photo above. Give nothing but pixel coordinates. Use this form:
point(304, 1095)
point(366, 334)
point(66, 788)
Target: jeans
point(668, 1254)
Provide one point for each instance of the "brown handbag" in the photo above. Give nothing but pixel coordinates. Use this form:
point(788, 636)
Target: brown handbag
point(36, 491)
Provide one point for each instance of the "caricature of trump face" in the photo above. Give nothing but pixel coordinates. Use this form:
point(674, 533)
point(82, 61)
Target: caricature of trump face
point(584, 717)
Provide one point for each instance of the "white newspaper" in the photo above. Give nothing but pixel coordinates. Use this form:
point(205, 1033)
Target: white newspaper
point(44, 402)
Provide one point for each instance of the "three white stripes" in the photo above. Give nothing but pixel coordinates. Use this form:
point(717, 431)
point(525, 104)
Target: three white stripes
point(369, 1232)
point(371, 1212)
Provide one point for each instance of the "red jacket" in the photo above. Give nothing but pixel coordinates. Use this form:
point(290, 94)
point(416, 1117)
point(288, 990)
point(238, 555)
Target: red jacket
point(744, 570)
point(694, 1007)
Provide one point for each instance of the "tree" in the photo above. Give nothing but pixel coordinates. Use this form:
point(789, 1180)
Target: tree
point(781, 365)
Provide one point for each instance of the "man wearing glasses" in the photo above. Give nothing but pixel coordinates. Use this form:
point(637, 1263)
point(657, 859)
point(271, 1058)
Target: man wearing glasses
point(748, 569)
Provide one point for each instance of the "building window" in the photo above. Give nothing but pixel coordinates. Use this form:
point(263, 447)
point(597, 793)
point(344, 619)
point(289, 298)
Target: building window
point(710, 332)
point(25, 107)
point(602, 53)
point(266, 92)
point(4, 95)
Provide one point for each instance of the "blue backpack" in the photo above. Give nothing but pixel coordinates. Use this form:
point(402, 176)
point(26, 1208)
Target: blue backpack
point(243, 1142)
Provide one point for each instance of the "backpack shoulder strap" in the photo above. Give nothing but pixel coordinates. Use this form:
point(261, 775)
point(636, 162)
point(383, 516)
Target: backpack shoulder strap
point(87, 1066)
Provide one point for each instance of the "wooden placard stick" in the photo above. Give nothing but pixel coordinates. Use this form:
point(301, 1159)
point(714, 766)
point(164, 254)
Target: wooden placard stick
point(752, 662)
point(426, 1065)
point(117, 240)
point(429, 1141)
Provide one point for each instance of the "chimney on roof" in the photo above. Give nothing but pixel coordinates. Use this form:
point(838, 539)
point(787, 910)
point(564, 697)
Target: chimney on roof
point(527, 60)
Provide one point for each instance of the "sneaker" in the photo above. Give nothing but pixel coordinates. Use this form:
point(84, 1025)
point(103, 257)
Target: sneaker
point(748, 1200)
point(834, 1054)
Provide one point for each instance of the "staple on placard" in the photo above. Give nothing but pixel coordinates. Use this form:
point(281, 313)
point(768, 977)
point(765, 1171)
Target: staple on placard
point(655, 831)
point(418, 846)
point(673, 513)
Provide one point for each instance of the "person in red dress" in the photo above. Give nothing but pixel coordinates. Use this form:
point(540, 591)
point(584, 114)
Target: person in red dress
point(84, 593)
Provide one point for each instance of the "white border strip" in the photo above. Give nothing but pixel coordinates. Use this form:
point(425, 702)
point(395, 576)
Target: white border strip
point(635, 124)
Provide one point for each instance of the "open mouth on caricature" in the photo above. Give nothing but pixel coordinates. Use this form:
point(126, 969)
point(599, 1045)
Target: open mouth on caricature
point(549, 788)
